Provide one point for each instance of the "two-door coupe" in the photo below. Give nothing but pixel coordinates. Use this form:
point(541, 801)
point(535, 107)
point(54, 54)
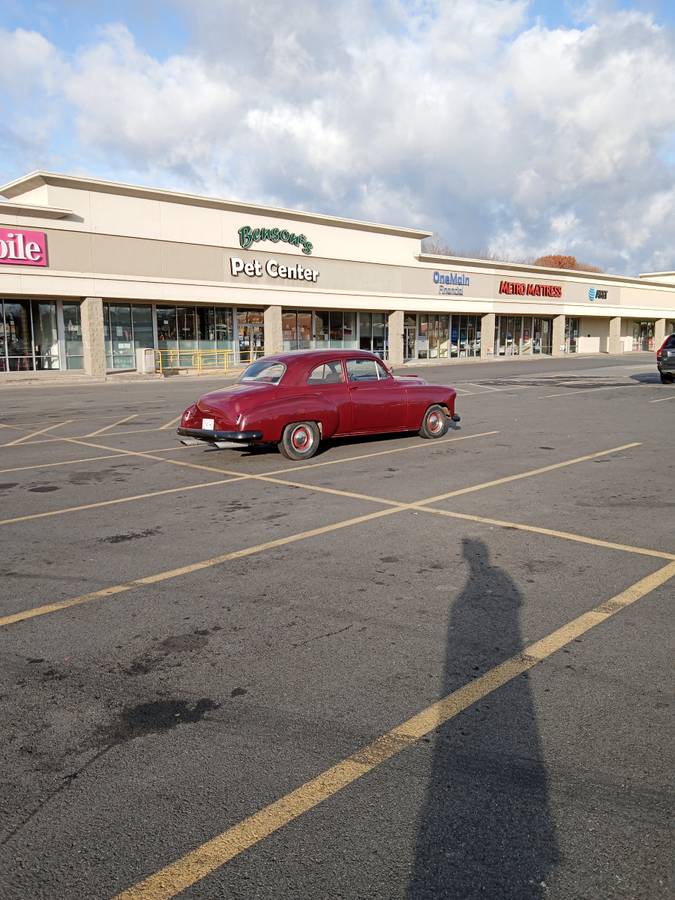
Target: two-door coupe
point(297, 399)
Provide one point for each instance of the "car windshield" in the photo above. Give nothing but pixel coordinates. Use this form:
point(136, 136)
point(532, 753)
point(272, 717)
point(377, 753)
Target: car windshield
point(265, 371)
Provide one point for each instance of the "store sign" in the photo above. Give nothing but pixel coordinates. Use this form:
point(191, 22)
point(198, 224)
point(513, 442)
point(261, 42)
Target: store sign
point(451, 283)
point(23, 248)
point(249, 236)
point(254, 268)
point(596, 294)
point(530, 290)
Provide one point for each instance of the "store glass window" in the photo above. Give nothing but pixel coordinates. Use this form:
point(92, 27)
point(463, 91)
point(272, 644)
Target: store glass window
point(643, 335)
point(321, 330)
point(224, 328)
point(289, 328)
point(126, 327)
point(45, 336)
point(72, 336)
point(250, 334)
point(167, 334)
point(28, 336)
point(571, 334)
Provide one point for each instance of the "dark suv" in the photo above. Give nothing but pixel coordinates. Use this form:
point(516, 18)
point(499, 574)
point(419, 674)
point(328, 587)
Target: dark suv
point(665, 359)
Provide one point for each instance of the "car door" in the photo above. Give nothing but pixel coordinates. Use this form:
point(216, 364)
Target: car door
point(328, 380)
point(378, 401)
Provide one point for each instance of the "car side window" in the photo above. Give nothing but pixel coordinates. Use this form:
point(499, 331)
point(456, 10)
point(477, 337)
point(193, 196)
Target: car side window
point(362, 370)
point(381, 371)
point(326, 373)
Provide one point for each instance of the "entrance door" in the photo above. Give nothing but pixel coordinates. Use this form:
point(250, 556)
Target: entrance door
point(409, 346)
point(251, 342)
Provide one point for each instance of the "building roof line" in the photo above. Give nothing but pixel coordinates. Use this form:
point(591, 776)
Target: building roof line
point(458, 262)
point(39, 178)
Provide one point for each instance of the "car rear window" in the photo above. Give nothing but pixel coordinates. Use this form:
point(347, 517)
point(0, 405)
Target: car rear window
point(326, 373)
point(670, 343)
point(264, 370)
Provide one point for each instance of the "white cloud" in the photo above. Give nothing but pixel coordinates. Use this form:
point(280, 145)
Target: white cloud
point(464, 117)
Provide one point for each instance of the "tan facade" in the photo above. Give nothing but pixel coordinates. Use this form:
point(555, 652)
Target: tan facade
point(142, 252)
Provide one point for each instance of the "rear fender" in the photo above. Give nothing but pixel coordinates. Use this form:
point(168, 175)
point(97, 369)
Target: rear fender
point(272, 418)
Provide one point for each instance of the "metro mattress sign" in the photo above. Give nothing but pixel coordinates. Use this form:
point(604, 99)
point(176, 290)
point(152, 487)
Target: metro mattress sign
point(530, 290)
point(254, 268)
point(23, 248)
point(248, 236)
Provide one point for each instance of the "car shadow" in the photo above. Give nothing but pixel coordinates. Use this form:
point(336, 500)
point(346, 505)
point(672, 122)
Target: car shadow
point(368, 440)
point(646, 377)
point(486, 829)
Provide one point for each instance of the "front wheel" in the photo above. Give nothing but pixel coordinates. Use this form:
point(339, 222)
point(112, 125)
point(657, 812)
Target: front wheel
point(435, 423)
point(300, 440)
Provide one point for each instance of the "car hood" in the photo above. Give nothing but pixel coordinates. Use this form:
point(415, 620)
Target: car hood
point(410, 379)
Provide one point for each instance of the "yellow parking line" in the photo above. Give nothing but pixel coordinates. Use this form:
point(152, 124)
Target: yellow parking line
point(73, 462)
point(189, 569)
point(663, 399)
point(101, 503)
point(609, 387)
point(420, 445)
point(27, 437)
point(172, 422)
point(211, 855)
point(548, 532)
point(108, 427)
point(331, 462)
point(392, 507)
point(233, 476)
point(561, 465)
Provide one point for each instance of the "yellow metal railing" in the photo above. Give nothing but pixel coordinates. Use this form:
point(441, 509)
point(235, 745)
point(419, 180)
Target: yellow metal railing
point(203, 361)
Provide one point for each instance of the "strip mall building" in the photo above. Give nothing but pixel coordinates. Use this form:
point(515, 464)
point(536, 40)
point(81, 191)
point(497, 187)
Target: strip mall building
point(91, 271)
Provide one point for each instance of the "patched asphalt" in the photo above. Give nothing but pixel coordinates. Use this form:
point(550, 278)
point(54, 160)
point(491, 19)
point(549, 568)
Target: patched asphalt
point(139, 724)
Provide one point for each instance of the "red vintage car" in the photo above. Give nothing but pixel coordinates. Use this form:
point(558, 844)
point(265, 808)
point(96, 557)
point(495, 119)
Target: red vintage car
point(296, 400)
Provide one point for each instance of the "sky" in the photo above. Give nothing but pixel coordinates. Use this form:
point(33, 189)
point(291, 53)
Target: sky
point(506, 127)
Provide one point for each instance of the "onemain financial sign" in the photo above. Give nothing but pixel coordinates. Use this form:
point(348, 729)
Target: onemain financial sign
point(254, 268)
point(451, 283)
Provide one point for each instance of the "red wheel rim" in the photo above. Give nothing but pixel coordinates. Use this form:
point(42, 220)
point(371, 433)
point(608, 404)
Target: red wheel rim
point(301, 439)
point(434, 423)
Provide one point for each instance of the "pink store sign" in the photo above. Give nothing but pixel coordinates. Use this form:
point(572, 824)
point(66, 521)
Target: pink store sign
point(23, 248)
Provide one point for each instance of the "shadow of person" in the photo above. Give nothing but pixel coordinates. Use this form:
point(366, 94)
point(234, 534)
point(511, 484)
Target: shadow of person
point(485, 828)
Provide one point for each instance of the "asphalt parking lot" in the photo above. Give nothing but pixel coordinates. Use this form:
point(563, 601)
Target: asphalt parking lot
point(404, 669)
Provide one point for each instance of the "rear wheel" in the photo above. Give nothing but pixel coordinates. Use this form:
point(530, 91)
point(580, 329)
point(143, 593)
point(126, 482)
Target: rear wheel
point(666, 377)
point(435, 423)
point(300, 440)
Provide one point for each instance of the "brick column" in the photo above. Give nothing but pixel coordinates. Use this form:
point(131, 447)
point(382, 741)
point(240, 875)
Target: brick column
point(274, 336)
point(488, 322)
point(93, 342)
point(614, 339)
point(395, 324)
point(558, 337)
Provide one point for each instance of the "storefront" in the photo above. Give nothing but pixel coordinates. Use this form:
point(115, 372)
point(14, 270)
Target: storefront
point(523, 336)
point(39, 335)
point(91, 272)
point(334, 329)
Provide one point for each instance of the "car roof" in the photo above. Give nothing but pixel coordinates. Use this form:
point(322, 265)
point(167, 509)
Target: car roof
point(318, 356)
